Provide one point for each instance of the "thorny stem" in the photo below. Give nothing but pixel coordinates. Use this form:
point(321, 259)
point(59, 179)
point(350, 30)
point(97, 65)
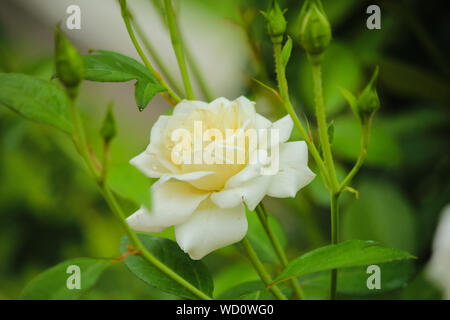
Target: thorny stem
point(154, 54)
point(361, 157)
point(262, 215)
point(334, 239)
point(178, 48)
point(126, 20)
point(196, 72)
point(323, 126)
point(257, 264)
point(283, 88)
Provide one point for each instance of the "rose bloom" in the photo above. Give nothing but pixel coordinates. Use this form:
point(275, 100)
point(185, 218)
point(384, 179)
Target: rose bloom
point(439, 266)
point(205, 201)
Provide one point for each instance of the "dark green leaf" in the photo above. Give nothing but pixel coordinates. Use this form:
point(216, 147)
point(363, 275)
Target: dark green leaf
point(168, 252)
point(394, 275)
point(108, 66)
point(35, 99)
point(351, 253)
point(52, 284)
point(253, 290)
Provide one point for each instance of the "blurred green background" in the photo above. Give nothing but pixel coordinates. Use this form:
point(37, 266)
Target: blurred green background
point(51, 211)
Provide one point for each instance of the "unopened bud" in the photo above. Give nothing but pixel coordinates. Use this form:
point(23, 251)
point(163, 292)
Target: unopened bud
point(368, 102)
point(315, 29)
point(109, 128)
point(275, 22)
point(70, 68)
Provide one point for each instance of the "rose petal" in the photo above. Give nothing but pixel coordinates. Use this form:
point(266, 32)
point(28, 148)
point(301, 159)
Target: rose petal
point(149, 165)
point(284, 125)
point(293, 173)
point(186, 106)
point(173, 202)
point(251, 192)
point(211, 228)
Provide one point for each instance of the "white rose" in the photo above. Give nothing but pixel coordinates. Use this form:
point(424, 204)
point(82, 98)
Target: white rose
point(205, 202)
point(439, 267)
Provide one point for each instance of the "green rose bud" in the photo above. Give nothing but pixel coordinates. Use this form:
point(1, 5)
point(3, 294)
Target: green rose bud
point(368, 102)
point(70, 68)
point(109, 128)
point(315, 29)
point(276, 23)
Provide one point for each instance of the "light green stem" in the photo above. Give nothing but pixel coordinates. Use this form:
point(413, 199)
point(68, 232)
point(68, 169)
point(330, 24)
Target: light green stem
point(283, 88)
point(79, 138)
point(328, 156)
point(178, 49)
point(262, 215)
point(361, 157)
point(139, 50)
point(81, 145)
point(323, 126)
point(156, 57)
point(196, 72)
point(257, 264)
point(334, 239)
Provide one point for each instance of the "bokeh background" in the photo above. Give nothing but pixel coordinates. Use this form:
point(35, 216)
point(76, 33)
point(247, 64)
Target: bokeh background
point(51, 211)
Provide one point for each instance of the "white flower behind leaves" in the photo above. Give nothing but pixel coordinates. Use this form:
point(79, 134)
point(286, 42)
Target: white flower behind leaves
point(205, 202)
point(439, 267)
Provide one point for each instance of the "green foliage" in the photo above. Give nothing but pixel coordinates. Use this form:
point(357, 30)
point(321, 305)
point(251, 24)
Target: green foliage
point(253, 290)
point(35, 99)
point(52, 283)
point(171, 255)
point(109, 66)
point(350, 253)
point(352, 281)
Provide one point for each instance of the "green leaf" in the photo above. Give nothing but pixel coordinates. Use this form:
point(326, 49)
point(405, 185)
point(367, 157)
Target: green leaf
point(109, 66)
point(259, 240)
point(352, 101)
point(35, 99)
point(253, 290)
point(394, 275)
point(351, 253)
point(52, 284)
point(286, 52)
point(168, 252)
point(130, 183)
